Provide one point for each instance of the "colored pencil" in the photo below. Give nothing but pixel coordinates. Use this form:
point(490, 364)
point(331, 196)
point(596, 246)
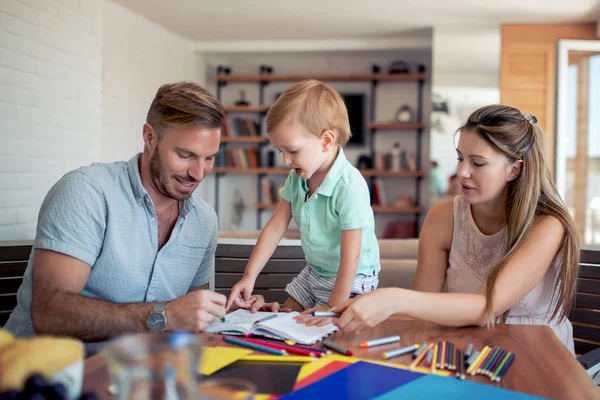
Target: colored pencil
point(451, 366)
point(504, 369)
point(326, 314)
point(477, 360)
point(460, 365)
point(288, 359)
point(436, 356)
point(254, 346)
point(472, 358)
point(422, 348)
point(258, 321)
point(490, 370)
point(501, 367)
point(482, 360)
point(482, 357)
point(281, 346)
point(429, 356)
point(314, 350)
point(443, 357)
point(469, 351)
point(337, 347)
point(488, 360)
point(398, 352)
point(380, 342)
point(418, 360)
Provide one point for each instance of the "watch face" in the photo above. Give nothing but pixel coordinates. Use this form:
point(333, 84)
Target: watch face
point(156, 321)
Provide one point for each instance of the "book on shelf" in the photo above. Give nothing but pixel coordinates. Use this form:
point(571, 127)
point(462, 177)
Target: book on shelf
point(409, 161)
point(245, 127)
point(240, 157)
point(381, 192)
point(270, 191)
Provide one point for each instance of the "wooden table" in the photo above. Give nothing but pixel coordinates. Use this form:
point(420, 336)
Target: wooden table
point(542, 367)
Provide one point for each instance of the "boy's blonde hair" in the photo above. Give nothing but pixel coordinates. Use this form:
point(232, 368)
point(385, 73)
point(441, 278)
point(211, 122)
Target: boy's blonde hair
point(314, 105)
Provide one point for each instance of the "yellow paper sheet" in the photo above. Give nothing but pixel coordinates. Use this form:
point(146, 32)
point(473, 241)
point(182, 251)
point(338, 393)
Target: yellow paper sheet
point(215, 358)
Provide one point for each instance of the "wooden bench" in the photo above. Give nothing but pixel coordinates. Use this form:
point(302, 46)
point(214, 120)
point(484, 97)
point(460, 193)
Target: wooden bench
point(288, 261)
point(13, 261)
point(585, 314)
point(231, 259)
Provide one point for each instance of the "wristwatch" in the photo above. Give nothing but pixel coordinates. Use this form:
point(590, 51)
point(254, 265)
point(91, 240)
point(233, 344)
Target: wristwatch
point(157, 319)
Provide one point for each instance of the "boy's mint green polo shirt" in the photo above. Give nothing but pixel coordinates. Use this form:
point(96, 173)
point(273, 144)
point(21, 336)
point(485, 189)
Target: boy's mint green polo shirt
point(342, 202)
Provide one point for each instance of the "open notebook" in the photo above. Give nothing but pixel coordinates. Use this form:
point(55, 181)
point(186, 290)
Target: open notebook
point(283, 327)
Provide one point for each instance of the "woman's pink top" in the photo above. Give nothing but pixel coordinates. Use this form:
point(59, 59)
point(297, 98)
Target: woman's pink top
point(473, 254)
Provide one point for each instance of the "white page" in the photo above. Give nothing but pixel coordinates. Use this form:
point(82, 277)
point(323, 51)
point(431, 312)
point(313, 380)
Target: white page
point(240, 319)
point(285, 325)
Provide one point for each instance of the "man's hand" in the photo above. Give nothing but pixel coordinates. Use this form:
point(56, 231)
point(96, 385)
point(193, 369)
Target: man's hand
point(241, 291)
point(195, 310)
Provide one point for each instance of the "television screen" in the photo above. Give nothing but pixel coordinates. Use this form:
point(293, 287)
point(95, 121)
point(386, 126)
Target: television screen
point(355, 103)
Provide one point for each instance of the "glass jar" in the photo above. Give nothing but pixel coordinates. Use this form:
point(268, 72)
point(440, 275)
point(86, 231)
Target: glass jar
point(155, 366)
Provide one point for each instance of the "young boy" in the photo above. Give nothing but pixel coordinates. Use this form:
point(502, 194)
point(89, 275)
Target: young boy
point(328, 199)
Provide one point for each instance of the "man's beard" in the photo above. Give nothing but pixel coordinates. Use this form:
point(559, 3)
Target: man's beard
point(160, 179)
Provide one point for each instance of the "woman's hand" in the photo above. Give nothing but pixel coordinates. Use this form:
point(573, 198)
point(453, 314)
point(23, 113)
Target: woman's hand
point(364, 311)
point(306, 317)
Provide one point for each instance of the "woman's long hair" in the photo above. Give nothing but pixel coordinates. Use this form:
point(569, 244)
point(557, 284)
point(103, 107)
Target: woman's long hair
point(533, 193)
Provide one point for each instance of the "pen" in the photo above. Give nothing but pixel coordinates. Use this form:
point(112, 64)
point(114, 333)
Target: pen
point(265, 319)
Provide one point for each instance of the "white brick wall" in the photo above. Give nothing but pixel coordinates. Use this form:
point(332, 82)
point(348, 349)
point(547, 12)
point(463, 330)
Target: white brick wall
point(139, 56)
point(50, 101)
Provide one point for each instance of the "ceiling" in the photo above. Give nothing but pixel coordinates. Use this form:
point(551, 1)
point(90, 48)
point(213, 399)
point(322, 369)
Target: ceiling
point(206, 20)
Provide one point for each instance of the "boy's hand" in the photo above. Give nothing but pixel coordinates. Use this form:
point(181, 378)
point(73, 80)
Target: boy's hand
point(241, 292)
point(307, 319)
point(257, 303)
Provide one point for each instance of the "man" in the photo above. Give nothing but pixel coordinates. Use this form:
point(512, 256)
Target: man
point(124, 247)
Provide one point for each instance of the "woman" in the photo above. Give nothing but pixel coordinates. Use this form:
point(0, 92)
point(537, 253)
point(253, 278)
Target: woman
point(507, 248)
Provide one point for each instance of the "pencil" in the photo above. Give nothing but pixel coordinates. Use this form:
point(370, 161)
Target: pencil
point(504, 369)
point(258, 321)
point(280, 346)
point(469, 351)
point(421, 356)
point(488, 360)
point(380, 342)
point(254, 346)
point(460, 365)
point(443, 357)
point(429, 356)
point(288, 359)
point(477, 360)
point(472, 358)
point(450, 352)
point(499, 367)
point(337, 347)
point(490, 369)
point(436, 355)
point(398, 352)
point(422, 348)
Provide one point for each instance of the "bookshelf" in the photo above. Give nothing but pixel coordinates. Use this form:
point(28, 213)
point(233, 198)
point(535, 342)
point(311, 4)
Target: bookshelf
point(223, 79)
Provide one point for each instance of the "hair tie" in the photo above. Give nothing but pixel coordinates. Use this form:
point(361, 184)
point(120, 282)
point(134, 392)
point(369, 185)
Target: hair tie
point(530, 118)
